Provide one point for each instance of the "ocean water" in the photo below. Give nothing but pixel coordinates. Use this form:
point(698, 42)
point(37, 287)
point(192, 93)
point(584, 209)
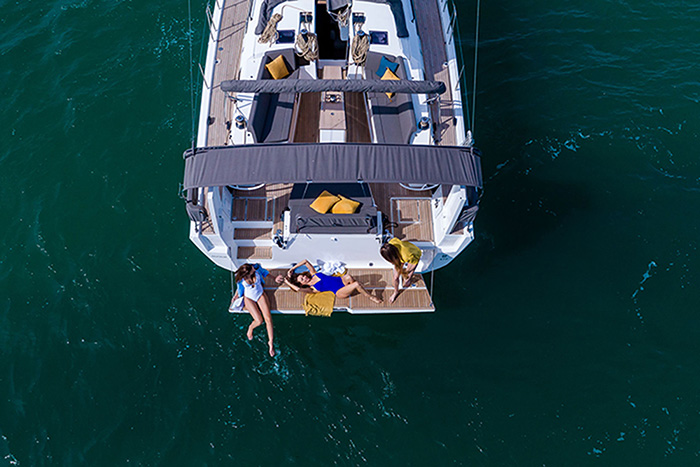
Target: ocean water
point(567, 334)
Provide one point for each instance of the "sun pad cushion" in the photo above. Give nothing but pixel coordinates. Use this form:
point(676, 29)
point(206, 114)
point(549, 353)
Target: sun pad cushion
point(394, 120)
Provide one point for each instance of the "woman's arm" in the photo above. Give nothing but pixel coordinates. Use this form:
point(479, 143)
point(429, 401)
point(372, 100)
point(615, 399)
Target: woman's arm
point(306, 263)
point(295, 288)
point(410, 269)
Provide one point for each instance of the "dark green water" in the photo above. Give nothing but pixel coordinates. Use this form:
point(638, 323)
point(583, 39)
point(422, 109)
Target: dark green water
point(567, 334)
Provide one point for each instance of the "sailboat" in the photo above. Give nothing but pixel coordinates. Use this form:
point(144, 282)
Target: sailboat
point(359, 99)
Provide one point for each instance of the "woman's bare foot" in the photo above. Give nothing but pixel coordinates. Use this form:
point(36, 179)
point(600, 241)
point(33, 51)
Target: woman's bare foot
point(250, 333)
point(393, 297)
point(272, 349)
point(375, 299)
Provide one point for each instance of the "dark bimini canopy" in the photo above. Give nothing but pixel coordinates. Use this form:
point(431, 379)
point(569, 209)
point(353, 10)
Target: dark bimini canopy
point(331, 163)
point(276, 86)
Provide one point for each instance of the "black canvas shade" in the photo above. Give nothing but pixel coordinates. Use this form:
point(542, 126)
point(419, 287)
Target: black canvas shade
point(331, 163)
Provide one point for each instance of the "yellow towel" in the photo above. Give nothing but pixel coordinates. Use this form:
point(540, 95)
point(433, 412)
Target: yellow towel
point(319, 304)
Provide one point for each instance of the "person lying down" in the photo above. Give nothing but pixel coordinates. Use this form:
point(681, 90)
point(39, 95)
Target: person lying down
point(312, 281)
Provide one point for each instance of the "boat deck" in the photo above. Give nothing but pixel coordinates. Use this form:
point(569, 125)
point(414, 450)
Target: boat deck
point(408, 211)
point(227, 64)
point(428, 23)
point(378, 282)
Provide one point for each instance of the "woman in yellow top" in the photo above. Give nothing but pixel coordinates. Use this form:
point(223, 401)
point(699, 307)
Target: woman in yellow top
point(404, 256)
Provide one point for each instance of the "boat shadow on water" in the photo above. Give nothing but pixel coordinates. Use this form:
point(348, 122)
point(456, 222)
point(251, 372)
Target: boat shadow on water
point(516, 216)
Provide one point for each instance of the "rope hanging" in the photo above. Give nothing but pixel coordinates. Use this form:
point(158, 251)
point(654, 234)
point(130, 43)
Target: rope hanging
point(307, 46)
point(359, 48)
point(270, 33)
point(342, 16)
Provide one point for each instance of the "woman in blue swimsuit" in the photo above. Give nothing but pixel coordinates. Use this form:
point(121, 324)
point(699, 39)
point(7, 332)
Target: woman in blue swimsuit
point(313, 281)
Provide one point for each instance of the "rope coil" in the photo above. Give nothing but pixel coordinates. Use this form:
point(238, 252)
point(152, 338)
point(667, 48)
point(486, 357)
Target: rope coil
point(306, 46)
point(270, 33)
point(359, 49)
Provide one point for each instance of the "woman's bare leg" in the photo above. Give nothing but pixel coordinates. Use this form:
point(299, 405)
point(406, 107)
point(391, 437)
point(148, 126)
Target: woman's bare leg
point(267, 316)
point(351, 286)
point(396, 286)
point(252, 308)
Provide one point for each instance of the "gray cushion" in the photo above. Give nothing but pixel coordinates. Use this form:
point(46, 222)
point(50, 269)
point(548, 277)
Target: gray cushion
point(306, 220)
point(394, 119)
point(271, 114)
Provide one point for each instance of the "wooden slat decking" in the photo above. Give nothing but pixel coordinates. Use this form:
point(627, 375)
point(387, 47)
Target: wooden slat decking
point(383, 192)
point(356, 118)
point(409, 209)
point(429, 28)
point(414, 219)
point(242, 233)
point(250, 208)
point(227, 63)
point(309, 107)
point(264, 204)
point(254, 252)
point(377, 281)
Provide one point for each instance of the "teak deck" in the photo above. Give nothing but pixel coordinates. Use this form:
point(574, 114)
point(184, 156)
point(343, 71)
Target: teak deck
point(408, 211)
point(378, 282)
point(429, 27)
point(226, 65)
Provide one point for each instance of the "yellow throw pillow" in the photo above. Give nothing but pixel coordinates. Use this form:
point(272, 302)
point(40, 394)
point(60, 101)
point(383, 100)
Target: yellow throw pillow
point(345, 206)
point(324, 202)
point(389, 75)
point(278, 68)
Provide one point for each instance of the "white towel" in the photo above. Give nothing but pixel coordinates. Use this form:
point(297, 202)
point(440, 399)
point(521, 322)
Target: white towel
point(236, 305)
point(330, 268)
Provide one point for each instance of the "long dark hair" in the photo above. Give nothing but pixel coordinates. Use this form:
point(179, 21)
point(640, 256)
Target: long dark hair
point(294, 278)
point(390, 253)
point(246, 271)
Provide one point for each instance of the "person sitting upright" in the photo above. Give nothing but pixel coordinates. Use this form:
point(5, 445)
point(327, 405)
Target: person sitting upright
point(249, 279)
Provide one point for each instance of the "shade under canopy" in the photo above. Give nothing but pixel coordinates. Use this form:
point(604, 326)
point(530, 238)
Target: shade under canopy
point(277, 86)
point(331, 163)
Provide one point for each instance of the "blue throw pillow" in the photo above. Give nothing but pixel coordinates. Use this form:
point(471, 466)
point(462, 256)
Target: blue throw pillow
point(384, 64)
